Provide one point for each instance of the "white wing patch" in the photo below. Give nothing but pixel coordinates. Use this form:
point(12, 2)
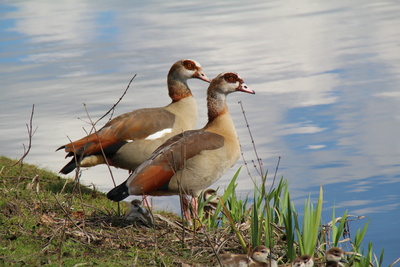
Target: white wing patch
point(158, 134)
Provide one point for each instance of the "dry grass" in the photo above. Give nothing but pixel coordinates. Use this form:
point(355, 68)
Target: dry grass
point(46, 220)
point(49, 221)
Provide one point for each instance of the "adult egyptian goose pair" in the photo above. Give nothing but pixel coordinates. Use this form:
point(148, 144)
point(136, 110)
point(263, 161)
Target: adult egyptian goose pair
point(129, 139)
point(191, 161)
point(259, 257)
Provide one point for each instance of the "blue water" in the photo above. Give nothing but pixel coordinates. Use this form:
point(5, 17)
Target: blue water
point(326, 78)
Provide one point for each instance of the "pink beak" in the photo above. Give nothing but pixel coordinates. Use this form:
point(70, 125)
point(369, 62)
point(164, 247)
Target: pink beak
point(200, 75)
point(244, 88)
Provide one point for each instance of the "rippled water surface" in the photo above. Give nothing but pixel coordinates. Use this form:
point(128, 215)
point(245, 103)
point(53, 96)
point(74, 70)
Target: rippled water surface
point(326, 76)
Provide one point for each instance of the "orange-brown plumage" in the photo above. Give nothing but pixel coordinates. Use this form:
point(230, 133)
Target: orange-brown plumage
point(130, 138)
point(135, 125)
point(150, 180)
point(193, 160)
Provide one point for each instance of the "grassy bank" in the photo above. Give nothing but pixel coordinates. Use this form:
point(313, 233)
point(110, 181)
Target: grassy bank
point(47, 220)
point(50, 221)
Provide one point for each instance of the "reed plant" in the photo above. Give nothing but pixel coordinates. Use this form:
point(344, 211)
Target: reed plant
point(290, 221)
point(236, 206)
point(359, 236)
point(269, 211)
point(337, 231)
point(358, 257)
point(308, 235)
point(367, 259)
point(256, 219)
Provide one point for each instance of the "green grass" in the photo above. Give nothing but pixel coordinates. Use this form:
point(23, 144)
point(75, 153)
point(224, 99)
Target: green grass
point(308, 237)
point(49, 221)
point(273, 221)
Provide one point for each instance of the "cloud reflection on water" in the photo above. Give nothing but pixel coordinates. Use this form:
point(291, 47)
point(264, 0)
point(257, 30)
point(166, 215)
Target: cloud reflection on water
point(312, 76)
point(326, 88)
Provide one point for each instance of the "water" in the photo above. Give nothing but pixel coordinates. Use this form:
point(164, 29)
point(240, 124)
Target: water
point(326, 78)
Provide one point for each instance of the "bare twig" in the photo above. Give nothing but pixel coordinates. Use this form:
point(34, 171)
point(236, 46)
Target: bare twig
point(101, 146)
point(276, 171)
point(119, 100)
point(261, 170)
point(245, 163)
point(396, 261)
point(31, 132)
point(105, 114)
point(93, 130)
point(67, 214)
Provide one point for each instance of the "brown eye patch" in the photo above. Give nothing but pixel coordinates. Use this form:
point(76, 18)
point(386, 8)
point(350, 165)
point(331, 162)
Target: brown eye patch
point(231, 77)
point(190, 65)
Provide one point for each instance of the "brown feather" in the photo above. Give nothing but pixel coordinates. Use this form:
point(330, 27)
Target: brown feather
point(151, 179)
point(130, 138)
point(135, 125)
point(169, 158)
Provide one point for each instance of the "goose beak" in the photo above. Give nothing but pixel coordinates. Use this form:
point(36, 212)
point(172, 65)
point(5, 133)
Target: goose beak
point(199, 74)
point(244, 88)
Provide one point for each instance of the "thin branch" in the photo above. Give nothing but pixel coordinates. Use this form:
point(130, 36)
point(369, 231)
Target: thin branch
point(93, 129)
point(105, 114)
point(119, 100)
point(396, 261)
point(252, 140)
point(276, 171)
point(31, 132)
point(101, 146)
point(245, 162)
point(260, 173)
point(69, 217)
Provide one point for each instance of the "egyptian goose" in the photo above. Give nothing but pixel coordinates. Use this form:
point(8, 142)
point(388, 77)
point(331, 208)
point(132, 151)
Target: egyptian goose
point(307, 260)
point(297, 262)
point(210, 195)
point(303, 261)
point(335, 257)
point(130, 138)
point(139, 214)
point(191, 161)
point(332, 264)
point(259, 257)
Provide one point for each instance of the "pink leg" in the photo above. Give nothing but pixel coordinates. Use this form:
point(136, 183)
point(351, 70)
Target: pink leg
point(194, 206)
point(186, 209)
point(189, 208)
point(146, 201)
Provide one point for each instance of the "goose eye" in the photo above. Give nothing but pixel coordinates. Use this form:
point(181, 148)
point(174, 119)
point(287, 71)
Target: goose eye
point(231, 77)
point(189, 65)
